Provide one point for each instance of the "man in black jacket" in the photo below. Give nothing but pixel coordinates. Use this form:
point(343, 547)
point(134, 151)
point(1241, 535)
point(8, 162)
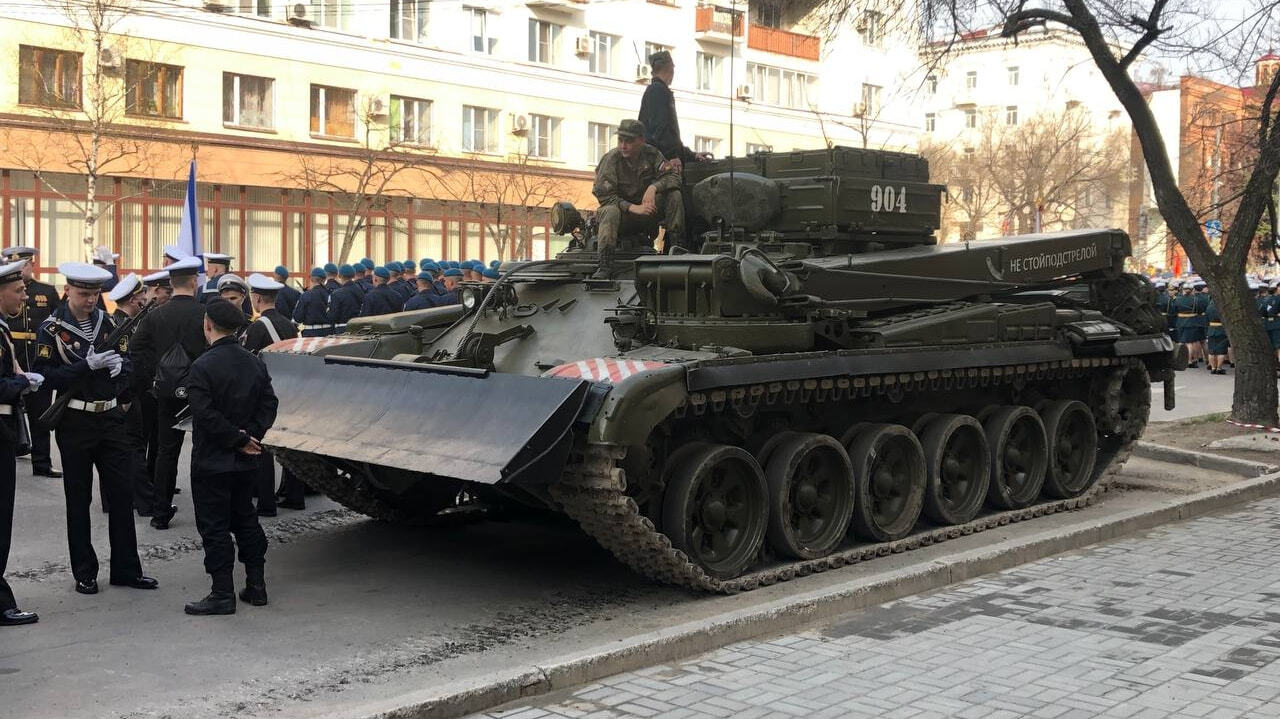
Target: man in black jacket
point(42, 299)
point(287, 297)
point(178, 323)
point(658, 114)
point(232, 407)
point(130, 297)
point(269, 328)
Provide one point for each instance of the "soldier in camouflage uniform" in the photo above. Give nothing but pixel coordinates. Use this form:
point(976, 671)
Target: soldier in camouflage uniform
point(637, 190)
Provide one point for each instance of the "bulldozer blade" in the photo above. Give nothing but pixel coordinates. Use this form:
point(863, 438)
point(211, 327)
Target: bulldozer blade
point(452, 422)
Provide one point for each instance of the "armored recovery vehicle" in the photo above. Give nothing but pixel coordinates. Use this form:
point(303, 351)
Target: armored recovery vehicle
point(819, 383)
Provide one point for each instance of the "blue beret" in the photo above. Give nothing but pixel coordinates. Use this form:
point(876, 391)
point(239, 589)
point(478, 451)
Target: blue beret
point(492, 273)
point(282, 271)
point(452, 264)
point(428, 259)
point(394, 266)
point(425, 275)
point(409, 264)
point(453, 272)
point(317, 272)
point(331, 268)
point(347, 271)
point(424, 264)
point(495, 264)
point(475, 262)
point(431, 267)
point(368, 263)
point(382, 272)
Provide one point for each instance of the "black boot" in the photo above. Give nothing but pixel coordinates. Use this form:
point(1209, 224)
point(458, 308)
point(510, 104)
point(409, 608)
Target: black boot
point(255, 588)
point(216, 603)
point(605, 270)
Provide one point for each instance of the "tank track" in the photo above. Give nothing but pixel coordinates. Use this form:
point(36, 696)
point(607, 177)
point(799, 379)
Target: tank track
point(592, 490)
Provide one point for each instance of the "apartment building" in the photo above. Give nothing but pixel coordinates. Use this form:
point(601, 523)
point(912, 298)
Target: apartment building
point(284, 103)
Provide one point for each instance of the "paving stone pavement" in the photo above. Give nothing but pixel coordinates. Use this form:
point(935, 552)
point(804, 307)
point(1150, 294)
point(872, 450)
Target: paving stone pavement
point(1183, 621)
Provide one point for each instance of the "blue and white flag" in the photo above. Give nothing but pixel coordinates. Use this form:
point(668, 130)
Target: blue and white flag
point(189, 231)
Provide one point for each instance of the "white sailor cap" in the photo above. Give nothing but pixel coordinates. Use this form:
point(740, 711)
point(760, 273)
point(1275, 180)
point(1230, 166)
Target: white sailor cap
point(157, 279)
point(174, 252)
point(218, 258)
point(184, 266)
point(21, 253)
point(127, 287)
point(11, 272)
point(84, 275)
point(230, 281)
point(259, 282)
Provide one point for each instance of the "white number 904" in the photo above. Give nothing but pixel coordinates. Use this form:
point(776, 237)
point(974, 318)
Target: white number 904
point(888, 199)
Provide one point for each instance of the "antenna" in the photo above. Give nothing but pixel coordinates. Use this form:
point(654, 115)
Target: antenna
point(733, 20)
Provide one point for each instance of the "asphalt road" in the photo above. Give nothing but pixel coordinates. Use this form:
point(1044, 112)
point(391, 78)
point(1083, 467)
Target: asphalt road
point(360, 610)
point(1197, 392)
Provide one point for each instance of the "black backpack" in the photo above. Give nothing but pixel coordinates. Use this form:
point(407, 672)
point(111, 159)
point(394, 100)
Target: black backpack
point(171, 373)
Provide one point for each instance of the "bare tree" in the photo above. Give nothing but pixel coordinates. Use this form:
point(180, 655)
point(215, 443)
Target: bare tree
point(973, 199)
point(1119, 35)
point(508, 199)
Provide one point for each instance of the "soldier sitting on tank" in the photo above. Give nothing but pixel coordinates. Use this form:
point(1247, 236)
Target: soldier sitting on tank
point(637, 191)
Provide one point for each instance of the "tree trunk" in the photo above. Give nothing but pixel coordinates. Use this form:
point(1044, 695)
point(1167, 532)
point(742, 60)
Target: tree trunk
point(1255, 396)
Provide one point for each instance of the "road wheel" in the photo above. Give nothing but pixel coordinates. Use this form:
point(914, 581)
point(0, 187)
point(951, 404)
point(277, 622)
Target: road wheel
point(1073, 448)
point(889, 479)
point(959, 464)
point(715, 508)
point(1019, 456)
point(810, 495)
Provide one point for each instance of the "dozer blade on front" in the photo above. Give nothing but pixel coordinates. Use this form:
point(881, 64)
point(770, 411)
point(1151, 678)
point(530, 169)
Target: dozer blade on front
point(452, 422)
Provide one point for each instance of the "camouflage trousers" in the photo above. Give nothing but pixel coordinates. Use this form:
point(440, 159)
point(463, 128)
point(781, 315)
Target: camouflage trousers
point(613, 220)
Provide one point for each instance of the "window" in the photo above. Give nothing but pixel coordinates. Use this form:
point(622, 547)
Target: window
point(329, 13)
point(544, 41)
point(650, 48)
point(970, 118)
point(931, 84)
point(479, 129)
point(930, 122)
point(247, 101)
point(1013, 76)
point(410, 120)
point(768, 14)
point(971, 80)
point(153, 89)
point(599, 141)
point(870, 100)
point(544, 136)
point(333, 111)
point(409, 20)
point(775, 86)
point(754, 147)
point(709, 72)
point(707, 144)
point(871, 28)
point(1011, 115)
point(261, 8)
point(601, 60)
point(480, 40)
point(48, 77)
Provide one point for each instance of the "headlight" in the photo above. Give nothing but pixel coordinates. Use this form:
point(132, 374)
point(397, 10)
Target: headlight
point(470, 298)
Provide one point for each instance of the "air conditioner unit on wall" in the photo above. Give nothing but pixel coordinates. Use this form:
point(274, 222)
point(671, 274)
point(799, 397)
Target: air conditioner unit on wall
point(216, 6)
point(298, 15)
point(110, 59)
point(743, 92)
point(643, 73)
point(859, 109)
point(378, 106)
point(583, 45)
point(519, 124)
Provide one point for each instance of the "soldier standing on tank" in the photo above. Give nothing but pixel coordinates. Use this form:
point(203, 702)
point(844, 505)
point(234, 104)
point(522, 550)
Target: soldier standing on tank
point(658, 114)
point(636, 189)
point(312, 311)
point(287, 297)
point(232, 407)
point(42, 299)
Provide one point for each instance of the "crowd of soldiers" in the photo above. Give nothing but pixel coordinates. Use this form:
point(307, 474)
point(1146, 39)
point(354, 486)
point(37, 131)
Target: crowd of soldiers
point(1194, 320)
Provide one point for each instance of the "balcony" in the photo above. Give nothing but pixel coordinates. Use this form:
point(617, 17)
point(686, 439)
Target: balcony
point(559, 6)
point(784, 42)
point(717, 24)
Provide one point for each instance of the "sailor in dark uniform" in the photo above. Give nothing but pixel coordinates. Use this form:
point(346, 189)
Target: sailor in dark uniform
point(216, 265)
point(287, 297)
point(383, 300)
point(345, 302)
point(74, 357)
point(14, 385)
point(130, 296)
point(42, 299)
point(312, 312)
point(331, 277)
point(158, 287)
point(269, 328)
point(234, 290)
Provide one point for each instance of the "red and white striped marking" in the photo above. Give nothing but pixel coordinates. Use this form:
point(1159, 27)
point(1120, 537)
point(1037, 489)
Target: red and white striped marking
point(307, 345)
point(1246, 425)
point(602, 369)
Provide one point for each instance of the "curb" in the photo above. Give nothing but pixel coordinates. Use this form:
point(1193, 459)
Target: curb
point(1205, 460)
point(778, 616)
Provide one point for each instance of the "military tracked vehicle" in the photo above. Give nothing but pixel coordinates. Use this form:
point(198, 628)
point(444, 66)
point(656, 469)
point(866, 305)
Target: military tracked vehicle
point(820, 382)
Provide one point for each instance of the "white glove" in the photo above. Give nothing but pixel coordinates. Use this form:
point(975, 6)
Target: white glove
point(116, 365)
point(101, 254)
point(35, 379)
point(98, 360)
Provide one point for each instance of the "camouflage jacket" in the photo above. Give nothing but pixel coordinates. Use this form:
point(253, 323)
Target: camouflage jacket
point(621, 182)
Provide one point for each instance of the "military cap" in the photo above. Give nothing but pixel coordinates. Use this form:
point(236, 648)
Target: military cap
point(495, 264)
point(475, 262)
point(426, 275)
point(1160, 284)
point(492, 273)
point(282, 271)
point(453, 264)
point(11, 272)
point(173, 252)
point(422, 264)
point(157, 279)
point(382, 272)
point(330, 268)
point(224, 314)
point(232, 282)
point(19, 253)
point(430, 267)
point(631, 129)
point(394, 266)
point(261, 283)
point(84, 275)
point(453, 272)
point(183, 267)
point(368, 263)
point(127, 287)
point(660, 59)
point(347, 271)
point(217, 258)
point(426, 261)
point(409, 264)
point(317, 272)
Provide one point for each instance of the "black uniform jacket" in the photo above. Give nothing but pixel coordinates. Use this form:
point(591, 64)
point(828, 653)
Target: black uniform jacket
point(12, 385)
point(345, 303)
point(181, 319)
point(382, 301)
point(61, 347)
point(42, 300)
point(313, 307)
point(287, 299)
point(661, 128)
point(257, 336)
point(231, 400)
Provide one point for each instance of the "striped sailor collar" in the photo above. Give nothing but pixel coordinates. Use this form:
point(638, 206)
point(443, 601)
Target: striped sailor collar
point(62, 320)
